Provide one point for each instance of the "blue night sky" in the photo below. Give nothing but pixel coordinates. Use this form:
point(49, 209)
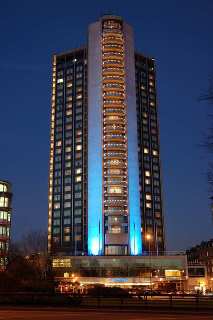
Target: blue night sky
point(178, 33)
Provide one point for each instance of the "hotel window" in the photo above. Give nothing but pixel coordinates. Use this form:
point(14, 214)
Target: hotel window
point(67, 204)
point(157, 206)
point(67, 196)
point(57, 205)
point(156, 190)
point(148, 197)
point(67, 180)
point(56, 213)
point(69, 92)
point(145, 150)
point(156, 175)
point(56, 230)
point(78, 170)
point(68, 126)
point(67, 230)
point(69, 112)
point(68, 149)
point(154, 152)
point(57, 197)
point(68, 141)
point(66, 238)
point(78, 195)
point(156, 183)
point(147, 173)
point(78, 117)
point(56, 222)
point(78, 140)
point(67, 188)
point(78, 179)
point(68, 164)
point(148, 205)
point(67, 172)
point(77, 220)
point(67, 221)
point(115, 229)
point(69, 84)
point(78, 187)
point(147, 181)
point(68, 156)
point(67, 212)
point(115, 189)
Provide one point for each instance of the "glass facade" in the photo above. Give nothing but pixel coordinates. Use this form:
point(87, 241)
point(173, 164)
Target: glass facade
point(67, 183)
point(149, 155)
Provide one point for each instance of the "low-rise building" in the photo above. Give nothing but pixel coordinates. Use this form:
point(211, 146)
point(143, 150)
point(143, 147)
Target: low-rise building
point(202, 255)
point(5, 221)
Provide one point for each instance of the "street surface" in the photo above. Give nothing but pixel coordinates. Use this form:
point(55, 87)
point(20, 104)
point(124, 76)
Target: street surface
point(53, 314)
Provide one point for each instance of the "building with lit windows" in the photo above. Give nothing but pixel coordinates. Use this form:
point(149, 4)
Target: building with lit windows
point(105, 196)
point(5, 221)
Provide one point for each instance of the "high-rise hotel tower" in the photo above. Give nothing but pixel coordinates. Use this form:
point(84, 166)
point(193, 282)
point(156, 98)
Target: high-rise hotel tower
point(105, 182)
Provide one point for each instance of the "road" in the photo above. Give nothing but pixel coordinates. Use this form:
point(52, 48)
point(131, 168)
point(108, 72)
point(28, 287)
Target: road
point(60, 314)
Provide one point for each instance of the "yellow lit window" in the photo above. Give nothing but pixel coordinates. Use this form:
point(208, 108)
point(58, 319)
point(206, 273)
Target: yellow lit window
point(148, 205)
point(115, 189)
point(145, 150)
point(68, 112)
point(78, 179)
point(147, 173)
point(60, 80)
point(78, 171)
point(115, 229)
point(113, 117)
point(69, 84)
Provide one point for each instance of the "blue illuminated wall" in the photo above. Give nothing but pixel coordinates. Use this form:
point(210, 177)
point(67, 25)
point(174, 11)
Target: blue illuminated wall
point(95, 223)
point(135, 237)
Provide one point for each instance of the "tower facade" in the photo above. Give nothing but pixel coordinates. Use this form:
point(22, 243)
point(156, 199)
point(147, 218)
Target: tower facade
point(104, 181)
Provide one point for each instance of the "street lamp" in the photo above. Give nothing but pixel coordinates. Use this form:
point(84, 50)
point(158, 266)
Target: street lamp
point(149, 239)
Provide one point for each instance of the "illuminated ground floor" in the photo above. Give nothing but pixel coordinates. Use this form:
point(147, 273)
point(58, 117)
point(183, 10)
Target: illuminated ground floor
point(148, 272)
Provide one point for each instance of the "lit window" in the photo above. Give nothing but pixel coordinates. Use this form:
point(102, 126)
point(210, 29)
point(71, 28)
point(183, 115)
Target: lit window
point(154, 152)
point(78, 179)
point(60, 80)
point(78, 147)
point(115, 229)
point(148, 197)
point(148, 205)
point(145, 150)
point(115, 189)
point(78, 171)
point(57, 205)
point(67, 238)
point(147, 173)
point(147, 181)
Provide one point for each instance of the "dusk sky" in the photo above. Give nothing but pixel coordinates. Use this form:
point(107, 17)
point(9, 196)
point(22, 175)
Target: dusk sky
point(177, 33)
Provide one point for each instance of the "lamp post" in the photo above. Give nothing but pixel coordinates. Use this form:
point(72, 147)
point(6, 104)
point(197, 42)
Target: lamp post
point(149, 238)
